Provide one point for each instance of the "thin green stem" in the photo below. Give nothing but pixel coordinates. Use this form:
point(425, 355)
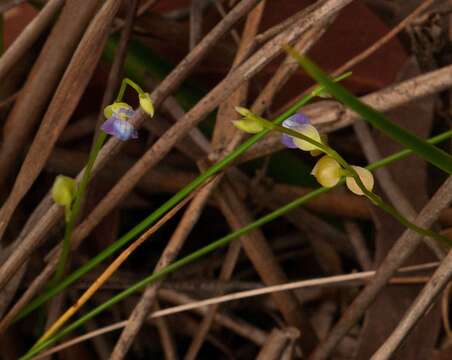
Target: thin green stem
point(75, 209)
point(124, 84)
point(377, 200)
point(213, 246)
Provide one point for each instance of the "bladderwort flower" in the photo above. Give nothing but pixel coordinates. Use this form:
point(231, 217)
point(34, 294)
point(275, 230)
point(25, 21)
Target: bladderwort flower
point(328, 172)
point(117, 123)
point(301, 124)
point(63, 192)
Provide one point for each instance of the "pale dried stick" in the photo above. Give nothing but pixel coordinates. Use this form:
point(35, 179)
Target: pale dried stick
point(64, 102)
point(358, 241)
point(276, 343)
point(116, 68)
point(336, 280)
point(195, 22)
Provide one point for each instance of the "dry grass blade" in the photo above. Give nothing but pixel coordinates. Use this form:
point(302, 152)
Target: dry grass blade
point(62, 106)
point(276, 343)
point(30, 34)
point(42, 82)
point(116, 68)
point(30, 105)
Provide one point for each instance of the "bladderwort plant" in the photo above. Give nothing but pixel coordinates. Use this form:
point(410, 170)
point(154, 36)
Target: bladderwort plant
point(114, 113)
point(297, 132)
point(330, 169)
point(66, 192)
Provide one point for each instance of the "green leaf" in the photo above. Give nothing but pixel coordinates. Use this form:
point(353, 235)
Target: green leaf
point(432, 154)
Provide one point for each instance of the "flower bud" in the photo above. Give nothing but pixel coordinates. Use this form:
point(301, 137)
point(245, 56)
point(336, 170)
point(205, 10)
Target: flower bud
point(366, 178)
point(327, 171)
point(146, 104)
point(249, 125)
point(63, 192)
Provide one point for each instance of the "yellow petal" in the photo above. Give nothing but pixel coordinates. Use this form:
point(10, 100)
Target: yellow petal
point(249, 125)
point(327, 171)
point(108, 111)
point(63, 190)
point(366, 178)
point(311, 132)
point(146, 104)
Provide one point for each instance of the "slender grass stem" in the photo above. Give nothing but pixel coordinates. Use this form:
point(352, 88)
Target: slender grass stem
point(75, 209)
point(124, 84)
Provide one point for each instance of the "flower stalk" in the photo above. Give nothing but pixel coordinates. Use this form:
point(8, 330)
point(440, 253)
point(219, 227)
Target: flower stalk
point(348, 171)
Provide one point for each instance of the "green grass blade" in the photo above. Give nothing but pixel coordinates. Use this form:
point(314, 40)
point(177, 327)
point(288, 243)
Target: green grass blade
point(432, 154)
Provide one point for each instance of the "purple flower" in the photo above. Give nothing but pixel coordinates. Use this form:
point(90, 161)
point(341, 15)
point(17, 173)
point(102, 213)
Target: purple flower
point(294, 122)
point(118, 126)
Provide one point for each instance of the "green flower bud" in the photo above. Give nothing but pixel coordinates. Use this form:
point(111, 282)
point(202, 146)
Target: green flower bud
point(327, 171)
point(63, 192)
point(146, 103)
point(248, 125)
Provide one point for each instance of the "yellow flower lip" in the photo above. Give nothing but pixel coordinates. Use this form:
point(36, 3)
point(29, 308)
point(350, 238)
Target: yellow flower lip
point(114, 108)
point(311, 132)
